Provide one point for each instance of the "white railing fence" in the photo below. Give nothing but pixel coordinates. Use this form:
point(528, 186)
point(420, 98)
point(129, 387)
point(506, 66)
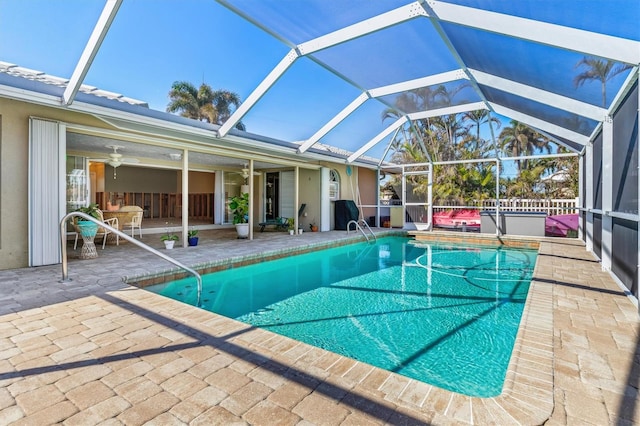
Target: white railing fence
point(550, 206)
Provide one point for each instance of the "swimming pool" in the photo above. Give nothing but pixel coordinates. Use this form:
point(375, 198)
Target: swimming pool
point(446, 315)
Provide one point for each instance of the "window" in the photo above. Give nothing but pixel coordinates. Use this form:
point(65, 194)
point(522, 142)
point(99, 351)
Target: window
point(334, 185)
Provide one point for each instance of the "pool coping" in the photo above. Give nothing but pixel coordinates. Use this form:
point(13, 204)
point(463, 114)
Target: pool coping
point(527, 395)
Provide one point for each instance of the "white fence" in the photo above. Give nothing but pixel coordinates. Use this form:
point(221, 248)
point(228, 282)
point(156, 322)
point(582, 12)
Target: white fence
point(550, 206)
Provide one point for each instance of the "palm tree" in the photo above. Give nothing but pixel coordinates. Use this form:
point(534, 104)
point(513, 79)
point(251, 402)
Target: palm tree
point(191, 102)
point(204, 103)
point(223, 100)
point(521, 140)
point(601, 70)
point(476, 119)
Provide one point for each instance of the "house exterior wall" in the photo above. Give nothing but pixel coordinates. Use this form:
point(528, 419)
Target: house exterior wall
point(139, 179)
point(14, 174)
point(14, 177)
point(368, 186)
point(14, 154)
point(309, 189)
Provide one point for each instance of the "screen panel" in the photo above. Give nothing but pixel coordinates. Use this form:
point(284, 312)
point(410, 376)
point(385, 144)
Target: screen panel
point(625, 155)
point(625, 253)
point(597, 235)
point(597, 172)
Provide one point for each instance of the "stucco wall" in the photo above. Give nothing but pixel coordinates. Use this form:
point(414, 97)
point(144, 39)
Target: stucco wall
point(309, 190)
point(199, 182)
point(141, 179)
point(14, 138)
point(14, 168)
point(367, 184)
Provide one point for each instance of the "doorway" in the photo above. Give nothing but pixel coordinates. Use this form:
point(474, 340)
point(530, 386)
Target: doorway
point(272, 196)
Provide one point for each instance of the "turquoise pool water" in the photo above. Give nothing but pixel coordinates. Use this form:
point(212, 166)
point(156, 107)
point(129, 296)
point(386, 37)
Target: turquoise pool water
point(444, 315)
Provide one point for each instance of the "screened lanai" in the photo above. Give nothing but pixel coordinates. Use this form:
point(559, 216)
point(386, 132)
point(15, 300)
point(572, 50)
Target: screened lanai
point(370, 79)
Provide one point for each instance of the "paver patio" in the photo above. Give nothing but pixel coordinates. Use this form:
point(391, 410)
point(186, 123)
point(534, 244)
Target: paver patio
point(97, 351)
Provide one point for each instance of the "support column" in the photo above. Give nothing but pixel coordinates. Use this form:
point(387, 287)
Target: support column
point(607, 193)
point(185, 196)
point(325, 201)
point(588, 157)
point(251, 198)
point(296, 199)
point(498, 221)
point(429, 196)
point(218, 198)
point(378, 198)
point(580, 202)
point(404, 198)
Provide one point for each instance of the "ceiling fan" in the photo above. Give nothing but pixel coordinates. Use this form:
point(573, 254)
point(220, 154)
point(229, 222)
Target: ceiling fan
point(245, 172)
point(115, 159)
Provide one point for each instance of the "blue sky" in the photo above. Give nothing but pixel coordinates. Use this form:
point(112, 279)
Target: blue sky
point(153, 43)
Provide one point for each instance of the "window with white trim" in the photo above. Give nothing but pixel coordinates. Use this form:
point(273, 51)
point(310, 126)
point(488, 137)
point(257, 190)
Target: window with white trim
point(334, 185)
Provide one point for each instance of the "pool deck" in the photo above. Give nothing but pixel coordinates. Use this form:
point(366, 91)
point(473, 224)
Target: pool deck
point(95, 350)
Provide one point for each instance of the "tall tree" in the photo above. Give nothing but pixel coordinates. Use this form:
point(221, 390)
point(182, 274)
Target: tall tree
point(223, 101)
point(521, 140)
point(204, 103)
point(191, 102)
point(598, 69)
point(475, 119)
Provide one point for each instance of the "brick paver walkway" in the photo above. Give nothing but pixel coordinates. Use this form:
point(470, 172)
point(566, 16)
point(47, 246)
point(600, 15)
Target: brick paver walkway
point(97, 351)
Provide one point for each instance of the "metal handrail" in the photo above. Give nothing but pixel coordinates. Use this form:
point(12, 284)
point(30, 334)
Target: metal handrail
point(63, 245)
point(359, 227)
point(364, 222)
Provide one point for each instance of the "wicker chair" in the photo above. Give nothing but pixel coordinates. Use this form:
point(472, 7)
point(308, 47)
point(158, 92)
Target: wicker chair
point(102, 232)
point(133, 218)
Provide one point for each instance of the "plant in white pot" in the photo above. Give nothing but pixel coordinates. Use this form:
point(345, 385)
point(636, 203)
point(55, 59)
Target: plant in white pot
point(239, 206)
point(169, 239)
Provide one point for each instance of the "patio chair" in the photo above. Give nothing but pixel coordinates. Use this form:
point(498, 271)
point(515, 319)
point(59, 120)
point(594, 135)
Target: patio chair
point(135, 222)
point(132, 218)
point(102, 232)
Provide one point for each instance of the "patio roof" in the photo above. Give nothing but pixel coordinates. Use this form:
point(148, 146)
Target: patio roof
point(340, 65)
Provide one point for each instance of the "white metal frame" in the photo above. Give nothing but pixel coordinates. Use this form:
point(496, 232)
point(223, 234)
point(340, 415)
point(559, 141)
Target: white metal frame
point(91, 49)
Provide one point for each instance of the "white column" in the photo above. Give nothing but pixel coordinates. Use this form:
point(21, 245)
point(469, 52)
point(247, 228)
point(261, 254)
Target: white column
point(404, 196)
point(296, 199)
point(607, 193)
point(429, 196)
point(589, 196)
point(498, 221)
point(325, 201)
point(251, 199)
point(185, 196)
point(377, 224)
point(218, 198)
point(581, 196)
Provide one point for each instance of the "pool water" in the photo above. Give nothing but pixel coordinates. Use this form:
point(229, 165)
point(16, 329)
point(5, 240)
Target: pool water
point(446, 315)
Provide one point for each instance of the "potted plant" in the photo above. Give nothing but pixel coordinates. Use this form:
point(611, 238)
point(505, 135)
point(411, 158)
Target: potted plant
point(192, 235)
point(169, 239)
point(313, 227)
point(86, 227)
point(239, 206)
point(291, 225)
